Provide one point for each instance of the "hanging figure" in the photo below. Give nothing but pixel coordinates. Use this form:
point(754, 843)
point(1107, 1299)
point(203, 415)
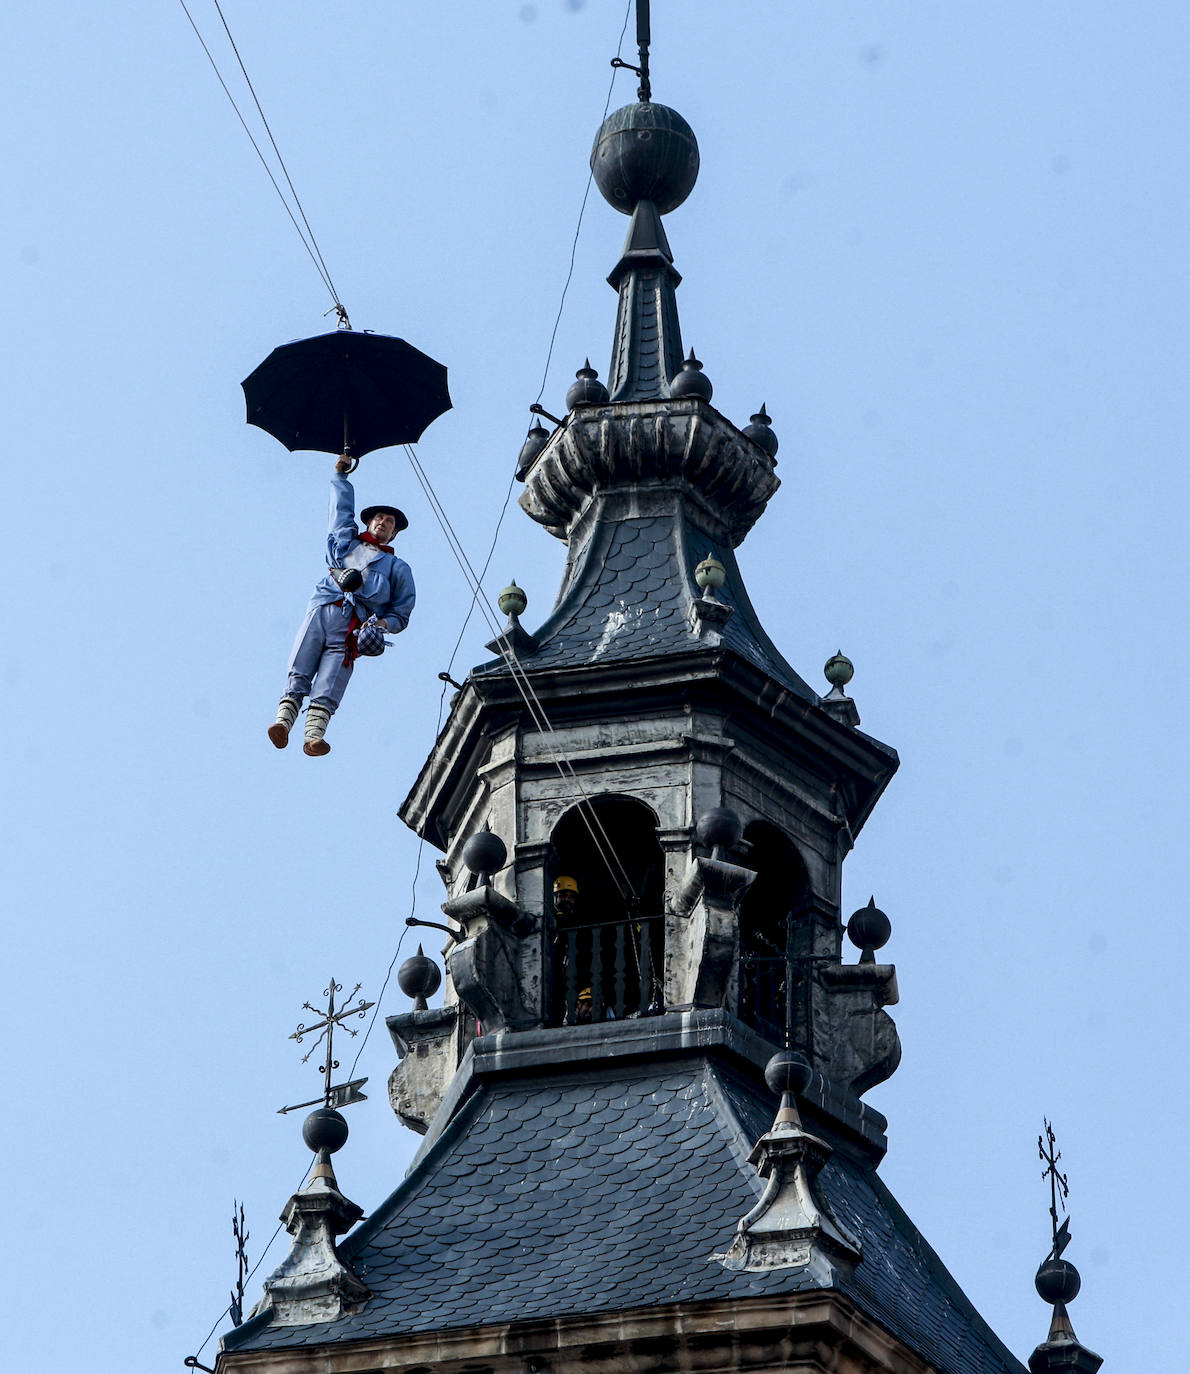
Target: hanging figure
point(367, 592)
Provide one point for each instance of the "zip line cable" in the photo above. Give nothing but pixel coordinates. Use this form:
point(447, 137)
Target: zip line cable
point(309, 244)
point(520, 677)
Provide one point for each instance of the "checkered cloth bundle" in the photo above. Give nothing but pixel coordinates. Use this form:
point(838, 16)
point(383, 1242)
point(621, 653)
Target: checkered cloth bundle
point(371, 639)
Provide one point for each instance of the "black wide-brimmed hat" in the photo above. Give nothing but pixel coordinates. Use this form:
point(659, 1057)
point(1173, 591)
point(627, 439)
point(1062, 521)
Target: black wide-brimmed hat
point(399, 516)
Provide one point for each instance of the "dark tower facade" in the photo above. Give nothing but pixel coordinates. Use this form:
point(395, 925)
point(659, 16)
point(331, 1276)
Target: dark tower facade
point(645, 1141)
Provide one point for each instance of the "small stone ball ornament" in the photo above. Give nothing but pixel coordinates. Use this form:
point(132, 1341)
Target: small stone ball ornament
point(512, 600)
point(485, 853)
point(719, 828)
point(692, 380)
point(419, 977)
point(1057, 1281)
point(760, 431)
point(325, 1129)
point(838, 670)
point(869, 928)
point(788, 1072)
point(645, 151)
point(710, 574)
point(586, 389)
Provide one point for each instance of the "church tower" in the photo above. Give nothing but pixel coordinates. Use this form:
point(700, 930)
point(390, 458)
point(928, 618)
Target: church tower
point(645, 1141)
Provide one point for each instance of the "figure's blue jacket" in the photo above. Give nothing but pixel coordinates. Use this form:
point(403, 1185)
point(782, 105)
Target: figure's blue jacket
point(387, 591)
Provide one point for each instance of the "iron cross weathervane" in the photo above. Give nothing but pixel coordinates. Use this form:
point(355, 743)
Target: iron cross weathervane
point(333, 1095)
point(1059, 1188)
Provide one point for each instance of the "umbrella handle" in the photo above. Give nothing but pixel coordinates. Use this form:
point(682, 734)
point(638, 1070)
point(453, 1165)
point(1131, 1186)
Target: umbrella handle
point(353, 462)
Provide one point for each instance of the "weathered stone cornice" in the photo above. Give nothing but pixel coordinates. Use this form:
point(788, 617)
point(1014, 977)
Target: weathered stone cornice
point(686, 439)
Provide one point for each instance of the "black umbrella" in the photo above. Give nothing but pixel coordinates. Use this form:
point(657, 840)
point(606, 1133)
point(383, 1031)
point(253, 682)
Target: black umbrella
point(346, 392)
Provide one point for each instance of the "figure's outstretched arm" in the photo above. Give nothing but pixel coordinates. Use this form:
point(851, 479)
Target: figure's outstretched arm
point(343, 532)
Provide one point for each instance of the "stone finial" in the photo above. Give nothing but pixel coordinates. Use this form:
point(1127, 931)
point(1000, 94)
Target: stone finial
point(838, 671)
point(791, 1227)
point(312, 1284)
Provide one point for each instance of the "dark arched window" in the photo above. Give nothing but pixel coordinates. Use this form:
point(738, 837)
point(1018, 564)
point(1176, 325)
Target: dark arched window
point(607, 945)
point(771, 932)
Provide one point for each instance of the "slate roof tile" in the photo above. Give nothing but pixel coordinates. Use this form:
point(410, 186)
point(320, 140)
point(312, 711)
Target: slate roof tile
point(502, 1221)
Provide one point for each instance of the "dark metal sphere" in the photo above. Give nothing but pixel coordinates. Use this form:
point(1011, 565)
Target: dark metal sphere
point(535, 441)
point(869, 927)
point(760, 431)
point(325, 1129)
point(691, 380)
point(419, 977)
point(586, 389)
point(788, 1072)
point(485, 852)
point(645, 152)
point(719, 827)
point(1058, 1281)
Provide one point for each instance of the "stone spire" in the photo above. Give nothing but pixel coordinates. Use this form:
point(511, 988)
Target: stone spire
point(791, 1227)
point(312, 1284)
point(645, 162)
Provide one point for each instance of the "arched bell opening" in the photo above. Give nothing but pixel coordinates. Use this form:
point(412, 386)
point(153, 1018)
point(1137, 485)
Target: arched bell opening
point(772, 931)
point(608, 929)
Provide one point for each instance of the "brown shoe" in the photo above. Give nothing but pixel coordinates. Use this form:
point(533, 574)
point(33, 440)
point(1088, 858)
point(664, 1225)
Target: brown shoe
point(317, 719)
point(280, 728)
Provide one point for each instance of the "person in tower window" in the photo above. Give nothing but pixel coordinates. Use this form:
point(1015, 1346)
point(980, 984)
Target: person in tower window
point(367, 592)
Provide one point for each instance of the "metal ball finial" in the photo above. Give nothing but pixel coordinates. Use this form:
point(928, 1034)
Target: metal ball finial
point(719, 828)
point(838, 670)
point(1057, 1280)
point(710, 574)
point(535, 441)
point(760, 431)
point(788, 1072)
point(325, 1129)
point(645, 152)
point(692, 380)
point(586, 389)
point(512, 600)
point(869, 930)
point(419, 977)
point(485, 853)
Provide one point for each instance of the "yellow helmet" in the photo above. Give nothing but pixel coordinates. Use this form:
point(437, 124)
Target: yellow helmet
point(565, 884)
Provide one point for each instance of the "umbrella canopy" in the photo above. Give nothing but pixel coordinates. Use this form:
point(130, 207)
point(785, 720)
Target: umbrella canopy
point(346, 392)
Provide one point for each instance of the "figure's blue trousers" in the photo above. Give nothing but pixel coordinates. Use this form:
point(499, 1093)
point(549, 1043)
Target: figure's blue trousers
point(316, 667)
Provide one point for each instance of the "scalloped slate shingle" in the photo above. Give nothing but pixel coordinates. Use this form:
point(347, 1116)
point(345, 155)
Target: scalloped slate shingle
point(568, 1195)
point(628, 596)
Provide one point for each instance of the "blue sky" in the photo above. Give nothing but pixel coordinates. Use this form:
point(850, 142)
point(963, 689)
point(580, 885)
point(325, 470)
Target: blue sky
point(946, 245)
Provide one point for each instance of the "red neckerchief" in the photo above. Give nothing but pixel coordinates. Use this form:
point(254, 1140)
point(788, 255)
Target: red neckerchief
point(369, 538)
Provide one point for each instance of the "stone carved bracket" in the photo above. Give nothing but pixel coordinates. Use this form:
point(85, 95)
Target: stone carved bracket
point(425, 1044)
point(485, 964)
point(862, 1040)
point(704, 954)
